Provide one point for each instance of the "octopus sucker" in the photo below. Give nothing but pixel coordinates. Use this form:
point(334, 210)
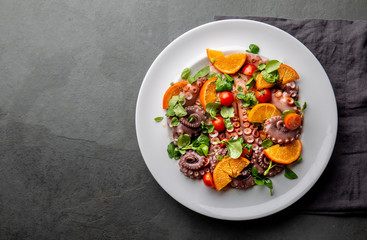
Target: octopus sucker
point(274, 129)
point(194, 165)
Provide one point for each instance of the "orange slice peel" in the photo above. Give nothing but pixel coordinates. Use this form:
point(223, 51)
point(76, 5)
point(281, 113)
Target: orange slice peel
point(226, 169)
point(229, 64)
point(173, 90)
point(208, 93)
point(262, 111)
point(284, 154)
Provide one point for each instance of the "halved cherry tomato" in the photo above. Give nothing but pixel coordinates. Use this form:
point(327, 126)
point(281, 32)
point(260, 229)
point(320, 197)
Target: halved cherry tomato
point(208, 180)
point(263, 95)
point(249, 69)
point(246, 153)
point(226, 98)
point(219, 124)
point(223, 144)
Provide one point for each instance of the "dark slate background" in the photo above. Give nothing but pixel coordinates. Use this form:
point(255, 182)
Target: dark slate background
point(70, 72)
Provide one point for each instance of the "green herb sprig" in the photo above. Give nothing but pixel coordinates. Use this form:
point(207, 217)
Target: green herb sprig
point(260, 180)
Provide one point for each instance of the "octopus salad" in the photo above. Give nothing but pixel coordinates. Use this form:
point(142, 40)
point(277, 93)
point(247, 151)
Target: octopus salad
point(237, 122)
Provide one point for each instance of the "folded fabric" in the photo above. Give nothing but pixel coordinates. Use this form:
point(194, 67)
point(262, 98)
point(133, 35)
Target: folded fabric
point(341, 48)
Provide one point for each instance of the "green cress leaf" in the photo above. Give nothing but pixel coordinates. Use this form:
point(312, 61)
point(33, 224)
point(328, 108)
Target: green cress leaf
point(203, 150)
point(191, 119)
point(286, 112)
point(248, 99)
point(234, 148)
point(247, 146)
point(223, 85)
point(202, 73)
point(185, 73)
point(170, 112)
point(239, 88)
point(253, 49)
point(191, 80)
point(290, 174)
point(269, 184)
point(254, 172)
point(206, 128)
point(227, 123)
point(304, 106)
point(272, 65)
point(229, 78)
point(203, 139)
point(267, 143)
point(270, 77)
point(220, 157)
point(175, 122)
point(171, 83)
point(212, 60)
point(212, 109)
point(259, 181)
point(250, 83)
point(173, 151)
point(297, 104)
point(270, 167)
point(261, 66)
point(227, 112)
point(211, 75)
point(183, 140)
point(179, 110)
point(298, 160)
point(158, 119)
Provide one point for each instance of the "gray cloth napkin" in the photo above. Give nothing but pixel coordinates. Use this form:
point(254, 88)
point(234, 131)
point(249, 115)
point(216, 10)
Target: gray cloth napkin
point(341, 48)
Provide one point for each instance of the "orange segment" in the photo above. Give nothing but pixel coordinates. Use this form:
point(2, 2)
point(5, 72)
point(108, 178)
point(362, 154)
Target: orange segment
point(227, 169)
point(207, 92)
point(287, 74)
point(173, 90)
point(261, 83)
point(226, 64)
point(285, 154)
point(262, 111)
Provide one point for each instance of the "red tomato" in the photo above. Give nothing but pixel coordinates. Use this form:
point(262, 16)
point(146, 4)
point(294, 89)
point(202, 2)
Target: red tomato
point(249, 69)
point(226, 98)
point(263, 95)
point(223, 144)
point(246, 152)
point(208, 180)
point(218, 124)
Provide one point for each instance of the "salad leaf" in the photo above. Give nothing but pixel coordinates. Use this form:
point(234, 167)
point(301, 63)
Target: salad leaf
point(253, 49)
point(290, 174)
point(184, 140)
point(234, 147)
point(261, 66)
point(267, 143)
point(202, 139)
point(173, 151)
point(206, 128)
point(239, 88)
point(272, 66)
point(202, 73)
point(223, 85)
point(212, 109)
point(227, 123)
point(179, 110)
point(229, 78)
point(191, 119)
point(191, 80)
point(227, 112)
point(175, 122)
point(203, 149)
point(211, 75)
point(158, 119)
point(185, 73)
point(220, 157)
point(270, 77)
point(259, 180)
point(298, 160)
point(248, 99)
point(270, 167)
point(250, 83)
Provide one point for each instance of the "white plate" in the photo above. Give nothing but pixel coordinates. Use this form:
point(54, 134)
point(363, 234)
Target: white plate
point(189, 50)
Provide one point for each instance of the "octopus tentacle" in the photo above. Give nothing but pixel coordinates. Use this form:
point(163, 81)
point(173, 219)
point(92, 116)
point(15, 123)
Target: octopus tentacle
point(194, 165)
point(196, 113)
point(276, 131)
point(291, 88)
point(282, 100)
point(244, 180)
point(261, 162)
point(191, 91)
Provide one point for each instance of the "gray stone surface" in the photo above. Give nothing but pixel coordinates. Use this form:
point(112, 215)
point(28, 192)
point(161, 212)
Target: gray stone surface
point(70, 165)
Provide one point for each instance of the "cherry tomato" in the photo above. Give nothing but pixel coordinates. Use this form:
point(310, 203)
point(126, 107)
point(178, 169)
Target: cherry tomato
point(249, 69)
point(263, 95)
point(226, 98)
point(219, 124)
point(246, 152)
point(208, 180)
point(223, 144)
